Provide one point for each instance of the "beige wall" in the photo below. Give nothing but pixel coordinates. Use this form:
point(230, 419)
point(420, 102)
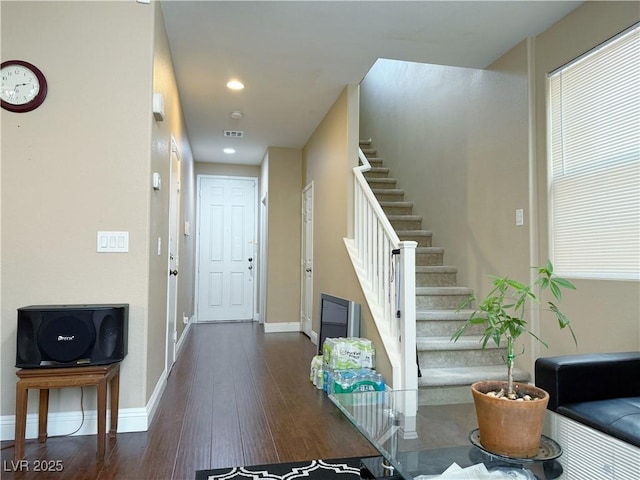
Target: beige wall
point(328, 159)
point(458, 141)
point(605, 314)
point(80, 163)
point(284, 235)
point(230, 170)
point(162, 133)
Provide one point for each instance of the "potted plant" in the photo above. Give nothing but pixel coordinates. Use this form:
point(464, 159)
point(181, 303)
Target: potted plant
point(511, 415)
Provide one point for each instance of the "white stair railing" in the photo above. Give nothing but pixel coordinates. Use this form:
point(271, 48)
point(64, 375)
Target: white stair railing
point(385, 267)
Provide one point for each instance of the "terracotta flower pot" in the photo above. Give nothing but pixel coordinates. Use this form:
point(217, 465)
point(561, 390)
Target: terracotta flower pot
point(508, 427)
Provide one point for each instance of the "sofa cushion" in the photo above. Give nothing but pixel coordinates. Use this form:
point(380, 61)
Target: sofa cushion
point(618, 417)
point(596, 376)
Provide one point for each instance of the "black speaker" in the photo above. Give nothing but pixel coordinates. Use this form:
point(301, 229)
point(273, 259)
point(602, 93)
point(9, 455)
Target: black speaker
point(71, 335)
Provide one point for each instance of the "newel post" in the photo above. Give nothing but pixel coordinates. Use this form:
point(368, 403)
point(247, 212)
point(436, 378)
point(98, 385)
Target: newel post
point(407, 307)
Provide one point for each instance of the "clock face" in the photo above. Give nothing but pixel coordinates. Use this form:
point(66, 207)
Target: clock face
point(24, 87)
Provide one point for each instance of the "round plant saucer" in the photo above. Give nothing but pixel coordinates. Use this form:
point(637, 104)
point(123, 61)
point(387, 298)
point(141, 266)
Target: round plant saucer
point(548, 450)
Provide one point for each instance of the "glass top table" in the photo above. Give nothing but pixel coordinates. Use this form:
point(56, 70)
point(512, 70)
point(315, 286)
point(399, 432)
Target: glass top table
point(423, 441)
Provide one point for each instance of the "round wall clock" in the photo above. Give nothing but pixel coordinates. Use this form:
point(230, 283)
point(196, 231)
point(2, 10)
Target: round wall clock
point(24, 87)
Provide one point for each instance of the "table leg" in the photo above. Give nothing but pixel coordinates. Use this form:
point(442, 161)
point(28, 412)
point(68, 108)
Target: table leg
point(115, 394)
point(102, 417)
point(43, 415)
point(22, 394)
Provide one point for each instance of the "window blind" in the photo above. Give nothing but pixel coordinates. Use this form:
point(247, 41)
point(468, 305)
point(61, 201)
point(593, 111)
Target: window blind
point(594, 174)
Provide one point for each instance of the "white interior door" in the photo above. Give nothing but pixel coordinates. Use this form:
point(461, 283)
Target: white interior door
point(226, 252)
point(173, 260)
point(306, 313)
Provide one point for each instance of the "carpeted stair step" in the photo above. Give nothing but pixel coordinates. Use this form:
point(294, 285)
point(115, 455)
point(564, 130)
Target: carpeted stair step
point(388, 194)
point(466, 352)
point(444, 323)
point(376, 172)
point(405, 222)
point(375, 161)
point(441, 298)
point(423, 237)
point(442, 376)
point(382, 183)
point(436, 276)
point(369, 152)
point(397, 208)
point(448, 385)
point(429, 256)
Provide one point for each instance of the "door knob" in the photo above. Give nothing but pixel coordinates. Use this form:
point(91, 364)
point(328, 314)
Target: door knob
point(173, 272)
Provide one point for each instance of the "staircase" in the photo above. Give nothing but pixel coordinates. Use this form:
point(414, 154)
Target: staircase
point(448, 368)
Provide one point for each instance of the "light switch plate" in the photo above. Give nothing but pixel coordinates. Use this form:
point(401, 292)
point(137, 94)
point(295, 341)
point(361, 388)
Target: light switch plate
point(519, 217)
point(112, 242)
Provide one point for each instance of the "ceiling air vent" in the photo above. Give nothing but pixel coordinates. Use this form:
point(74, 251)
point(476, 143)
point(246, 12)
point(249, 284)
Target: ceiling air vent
point(233, 133)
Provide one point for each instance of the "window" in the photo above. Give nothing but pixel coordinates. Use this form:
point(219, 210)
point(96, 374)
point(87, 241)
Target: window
point(594, 162)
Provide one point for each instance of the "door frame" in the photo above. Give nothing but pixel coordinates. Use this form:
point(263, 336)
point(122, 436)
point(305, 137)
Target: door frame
point(262, 265)
point(173, 230)
point(303, 290)
point(199, 178)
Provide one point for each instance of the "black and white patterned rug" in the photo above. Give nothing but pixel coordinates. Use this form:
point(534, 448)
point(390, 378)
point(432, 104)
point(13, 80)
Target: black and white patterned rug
point(334, 469)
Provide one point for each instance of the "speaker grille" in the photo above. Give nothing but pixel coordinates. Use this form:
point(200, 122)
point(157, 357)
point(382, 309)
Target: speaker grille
point(66, 338)
point(28, 351)
point(108, 337)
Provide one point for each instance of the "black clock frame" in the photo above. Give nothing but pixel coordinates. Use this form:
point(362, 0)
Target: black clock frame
point(38, 99)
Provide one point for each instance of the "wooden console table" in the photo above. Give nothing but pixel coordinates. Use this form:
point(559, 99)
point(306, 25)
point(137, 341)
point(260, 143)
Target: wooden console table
point(47, 378)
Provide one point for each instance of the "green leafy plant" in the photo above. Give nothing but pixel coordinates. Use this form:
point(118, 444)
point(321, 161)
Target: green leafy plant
point(502, 311)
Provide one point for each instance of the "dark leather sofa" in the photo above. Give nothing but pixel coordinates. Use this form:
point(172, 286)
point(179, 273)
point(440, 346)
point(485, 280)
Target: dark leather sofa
point(600, 390)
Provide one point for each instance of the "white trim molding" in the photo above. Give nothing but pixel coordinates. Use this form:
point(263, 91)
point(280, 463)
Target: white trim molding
point(281, 327)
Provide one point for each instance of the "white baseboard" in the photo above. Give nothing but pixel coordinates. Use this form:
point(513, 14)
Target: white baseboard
point(153, 403)
point(185, 332)
point(314, 337)
point(64, 423)
point(281, 327)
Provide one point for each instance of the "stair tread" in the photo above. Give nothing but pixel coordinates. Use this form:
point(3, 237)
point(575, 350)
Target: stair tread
point(443, 291)
point(436, 269)
point(443, 376)
point(395, 204)
point(438, 315)
point(388, 190)
point(377, 170)
point(415, 233)
point(382, 180)
point(465, 342)
point(427, 249)
point(404, 217)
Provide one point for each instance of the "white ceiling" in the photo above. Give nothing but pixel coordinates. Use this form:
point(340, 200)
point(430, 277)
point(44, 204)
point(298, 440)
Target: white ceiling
point(295, 57)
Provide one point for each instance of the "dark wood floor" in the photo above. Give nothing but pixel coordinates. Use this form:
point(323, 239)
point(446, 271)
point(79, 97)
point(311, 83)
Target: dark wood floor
point(235, 397)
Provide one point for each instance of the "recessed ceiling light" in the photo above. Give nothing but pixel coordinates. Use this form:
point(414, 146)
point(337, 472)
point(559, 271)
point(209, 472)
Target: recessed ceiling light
point(229, 151)
point(236, 115)
point(235, 85)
